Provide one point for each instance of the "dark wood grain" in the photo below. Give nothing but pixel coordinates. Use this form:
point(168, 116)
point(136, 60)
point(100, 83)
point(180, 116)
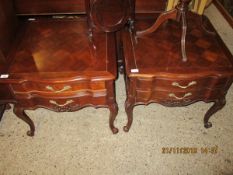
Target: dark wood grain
point(8, 26)
point(35, 7)
point(150, 6)
point(25, 7)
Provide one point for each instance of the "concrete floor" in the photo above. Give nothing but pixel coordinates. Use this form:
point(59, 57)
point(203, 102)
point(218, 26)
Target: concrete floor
point(81, 143)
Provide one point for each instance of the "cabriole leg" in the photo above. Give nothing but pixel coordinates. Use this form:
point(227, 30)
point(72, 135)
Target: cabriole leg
point(2, 109)
point(129, 105)
point(19, 112)
point(218, 105)
point(113, 113)
point(8, 106)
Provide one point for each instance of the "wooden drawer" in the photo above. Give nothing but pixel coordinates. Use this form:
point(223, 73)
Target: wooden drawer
point(180, 85)
point(57, 88)
point(66, 104)
point(177, 96)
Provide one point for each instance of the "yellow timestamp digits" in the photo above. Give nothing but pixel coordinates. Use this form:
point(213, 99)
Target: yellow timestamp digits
point(209, 150)
point(190, 150)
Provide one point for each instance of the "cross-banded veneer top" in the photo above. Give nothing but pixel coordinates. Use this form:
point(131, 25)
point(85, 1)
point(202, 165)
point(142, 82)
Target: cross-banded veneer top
point(160, 51)
point(63, 46)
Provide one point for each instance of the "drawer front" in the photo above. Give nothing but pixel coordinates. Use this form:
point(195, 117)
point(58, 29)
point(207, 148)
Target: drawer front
point(167, 95)
point(58, 88)
point(180, 85)
point(62, 104)
point(177, 97)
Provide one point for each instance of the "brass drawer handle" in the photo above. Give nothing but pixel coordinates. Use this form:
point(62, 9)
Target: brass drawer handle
point(65, 88)
point(184, 87)
point(61, 105)
point(180, 98)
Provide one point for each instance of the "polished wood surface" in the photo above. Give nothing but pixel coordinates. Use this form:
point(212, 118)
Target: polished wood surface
point(50, 45)
point(178, 14)
point(155, 71)
point(203, 50)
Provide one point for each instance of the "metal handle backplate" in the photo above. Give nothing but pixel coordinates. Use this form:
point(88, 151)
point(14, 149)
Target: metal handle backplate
point(184, 87)
point(61, 105)
point(65, 88)
point(180, 98)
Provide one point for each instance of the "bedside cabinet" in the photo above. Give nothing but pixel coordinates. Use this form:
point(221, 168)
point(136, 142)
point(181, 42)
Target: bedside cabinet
point(55, 66)
point(62, 62)
point(156, 73)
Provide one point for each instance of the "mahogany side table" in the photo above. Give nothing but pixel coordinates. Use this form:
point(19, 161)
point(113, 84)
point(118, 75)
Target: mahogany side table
point(55, 66)
point(62, 61)
point(156, 73)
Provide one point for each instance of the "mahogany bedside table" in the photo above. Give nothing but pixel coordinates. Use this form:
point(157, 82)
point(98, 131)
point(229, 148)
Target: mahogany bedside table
point(155, 71)
point(64, 63)
point(56, 67)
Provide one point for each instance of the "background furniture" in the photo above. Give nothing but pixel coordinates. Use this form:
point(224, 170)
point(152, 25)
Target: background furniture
point(226, 9)
point(196, 6)
point(76, 6)
point(228, 5)
point(156, 72)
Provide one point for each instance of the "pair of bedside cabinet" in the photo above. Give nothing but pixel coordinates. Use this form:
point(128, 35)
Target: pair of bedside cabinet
point(66, 63)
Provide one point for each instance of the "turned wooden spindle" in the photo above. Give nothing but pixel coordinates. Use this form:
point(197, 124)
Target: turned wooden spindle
point(182, 8)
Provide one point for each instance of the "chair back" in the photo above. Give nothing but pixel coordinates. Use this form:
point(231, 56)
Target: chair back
point(108, 15)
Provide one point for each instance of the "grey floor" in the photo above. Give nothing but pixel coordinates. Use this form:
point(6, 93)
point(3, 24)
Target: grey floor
point(81, 143)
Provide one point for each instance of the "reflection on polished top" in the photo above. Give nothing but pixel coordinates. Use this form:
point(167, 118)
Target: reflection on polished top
point(62, 45)
point(160, 52)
